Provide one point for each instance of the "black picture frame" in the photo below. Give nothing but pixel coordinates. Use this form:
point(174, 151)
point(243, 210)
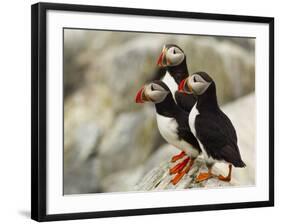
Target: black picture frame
point(39, 107)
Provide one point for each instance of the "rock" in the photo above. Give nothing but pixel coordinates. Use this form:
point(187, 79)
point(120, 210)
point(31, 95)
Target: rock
point(163, 153)
point(86, 139)
point(84, 142)
point(74, 70)
point(81, 179)
point(131, 64)
point(160, 179)
point(83, 109)
point(128, 143)
point(79, 174)
point(124, 180)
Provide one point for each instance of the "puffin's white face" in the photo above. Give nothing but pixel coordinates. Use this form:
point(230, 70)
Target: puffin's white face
point(174, 56)
point(195, 84)
point(152, 92)
point(171, 56)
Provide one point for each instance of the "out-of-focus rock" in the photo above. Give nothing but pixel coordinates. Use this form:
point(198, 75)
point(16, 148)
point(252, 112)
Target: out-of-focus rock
point(128, 143)
point(124, 180)
point(81, 178)
point(87, 137)
point(79, 174)
point(74, 70)
point(85, 141)
point(163, 153)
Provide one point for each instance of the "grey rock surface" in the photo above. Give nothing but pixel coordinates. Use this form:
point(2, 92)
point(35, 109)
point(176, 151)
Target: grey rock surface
point(128, 143)
point(79, 174)
point(81, 178)
point(160, 179)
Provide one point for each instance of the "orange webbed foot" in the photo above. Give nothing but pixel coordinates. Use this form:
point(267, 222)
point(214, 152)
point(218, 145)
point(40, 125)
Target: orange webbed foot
point(179, 167)
point(180, 174)
point(177, 157)
point(203, 176)
point(226, 179)
point(178, 177)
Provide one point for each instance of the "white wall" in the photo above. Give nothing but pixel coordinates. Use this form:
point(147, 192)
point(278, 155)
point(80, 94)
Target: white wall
point(15, 109)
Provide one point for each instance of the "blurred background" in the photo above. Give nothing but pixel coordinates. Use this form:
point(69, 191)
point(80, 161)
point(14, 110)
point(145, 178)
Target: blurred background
point(110, 142)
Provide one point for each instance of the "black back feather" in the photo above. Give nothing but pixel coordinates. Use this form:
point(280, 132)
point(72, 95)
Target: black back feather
point(186, 102)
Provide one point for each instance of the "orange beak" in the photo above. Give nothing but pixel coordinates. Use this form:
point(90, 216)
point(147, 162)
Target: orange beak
point(181, 85)
point(161, 57)
point(139, 96)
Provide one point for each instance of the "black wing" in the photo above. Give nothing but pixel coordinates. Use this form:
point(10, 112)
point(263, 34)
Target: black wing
point(184, 131)
point(219, 138)
point(232, 155)
point(185, 101)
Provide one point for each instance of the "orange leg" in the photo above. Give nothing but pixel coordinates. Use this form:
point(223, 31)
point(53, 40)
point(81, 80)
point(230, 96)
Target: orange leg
point(179, 167)
point(177, 157)
point(180, 175)
point(204, 176)
point(228, 177)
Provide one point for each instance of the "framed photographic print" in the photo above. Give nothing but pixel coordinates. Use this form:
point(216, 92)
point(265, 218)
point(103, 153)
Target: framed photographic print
point(140, 111)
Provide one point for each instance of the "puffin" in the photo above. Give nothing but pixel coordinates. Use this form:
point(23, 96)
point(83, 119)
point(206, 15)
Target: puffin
point(173, 60)
point(177, 131)
point(211, 127)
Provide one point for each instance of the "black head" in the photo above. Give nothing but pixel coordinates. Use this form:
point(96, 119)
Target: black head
point(155, 92)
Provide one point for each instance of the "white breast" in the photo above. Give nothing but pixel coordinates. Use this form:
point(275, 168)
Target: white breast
point(171, 83)
point(168, 128)
point(191, 119)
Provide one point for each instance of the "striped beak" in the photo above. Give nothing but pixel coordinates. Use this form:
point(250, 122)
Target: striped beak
point(184, 86)
point(161, 62)
point(139, 96)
